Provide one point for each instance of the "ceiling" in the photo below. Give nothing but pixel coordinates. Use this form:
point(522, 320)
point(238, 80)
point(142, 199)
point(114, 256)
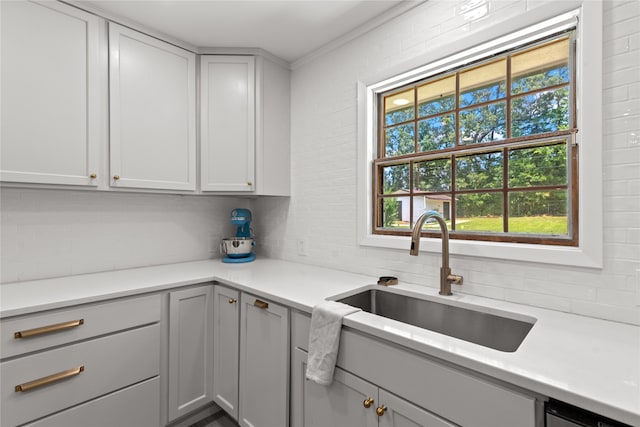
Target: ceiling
point(289, 29)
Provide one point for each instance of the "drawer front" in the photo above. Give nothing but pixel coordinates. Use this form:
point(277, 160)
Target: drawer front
point(138, 406)
point(109, 363)
point(75, 324)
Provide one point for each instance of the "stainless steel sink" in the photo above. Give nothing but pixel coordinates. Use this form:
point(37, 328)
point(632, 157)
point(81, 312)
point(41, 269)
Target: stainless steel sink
point(486, 329)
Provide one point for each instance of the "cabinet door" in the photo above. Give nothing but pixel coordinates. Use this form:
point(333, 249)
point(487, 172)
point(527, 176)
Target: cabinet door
point(152, 112)
point(342, 404)
point(50, 105)
point(264, 363)
point(226, 348)
point(400, 413)
point(227, 134)
point(190, 350)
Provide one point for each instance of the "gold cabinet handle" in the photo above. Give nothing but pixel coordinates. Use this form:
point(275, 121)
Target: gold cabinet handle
point(380, 410)
point(116, 177)
point(249, 183)
point(48, 329)
point(232, 300)
point(367, 402)
point(49, 379)
point(261, 304)
point(93, 176)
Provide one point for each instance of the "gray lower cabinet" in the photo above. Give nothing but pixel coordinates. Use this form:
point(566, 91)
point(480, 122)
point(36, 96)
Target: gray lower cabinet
point(340, 404)
point(351, 402)
point(82, 366)
point(405, 388)
point(251, 362)
point(190, 350)
point(264, 363)
point(226, 348)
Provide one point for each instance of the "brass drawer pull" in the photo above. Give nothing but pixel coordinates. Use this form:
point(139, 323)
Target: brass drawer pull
point(232, 300)
point(261, 304)
point(367, 402)
point(47, 329)
point(380, 410)
point(49, 379)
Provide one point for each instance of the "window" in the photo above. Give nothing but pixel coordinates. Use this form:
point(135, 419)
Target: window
point(489, 145)
point(582, 246)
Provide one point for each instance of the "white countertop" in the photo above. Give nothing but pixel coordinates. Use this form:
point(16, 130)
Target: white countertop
point(591, 363)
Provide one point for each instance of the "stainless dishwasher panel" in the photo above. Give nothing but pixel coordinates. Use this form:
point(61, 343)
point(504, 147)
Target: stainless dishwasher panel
point(553, 421)
point(560, 414)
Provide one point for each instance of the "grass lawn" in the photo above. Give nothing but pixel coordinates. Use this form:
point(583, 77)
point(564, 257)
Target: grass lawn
point(526, 224)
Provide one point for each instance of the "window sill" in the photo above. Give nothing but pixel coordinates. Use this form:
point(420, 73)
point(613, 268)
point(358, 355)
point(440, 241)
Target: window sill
point(559, 255)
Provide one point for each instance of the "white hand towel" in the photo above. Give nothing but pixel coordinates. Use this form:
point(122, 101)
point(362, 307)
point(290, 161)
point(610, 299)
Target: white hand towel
point(324, 340)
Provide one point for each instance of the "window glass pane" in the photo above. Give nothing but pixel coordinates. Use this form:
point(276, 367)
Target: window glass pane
point(395, 179)
point(437, 133)
point(538, 212)
point(545, 165)
point(479, 171)
point(433, 203)
point(479, 212)
point(540, 67)
point(399, 107)
point(437, 96)
point(483, 124)
point(400, 140)
point(540, 112)
point(395, 212)
point(484, 83)
point(433, 175)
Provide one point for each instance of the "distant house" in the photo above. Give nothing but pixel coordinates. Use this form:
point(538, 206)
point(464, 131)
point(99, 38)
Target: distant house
point(421, 204)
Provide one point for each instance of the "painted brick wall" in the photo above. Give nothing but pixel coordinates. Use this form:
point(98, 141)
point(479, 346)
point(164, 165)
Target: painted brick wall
point(50, 233)
point(321, 212)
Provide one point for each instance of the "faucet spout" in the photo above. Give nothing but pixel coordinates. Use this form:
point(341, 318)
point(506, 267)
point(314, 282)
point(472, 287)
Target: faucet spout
point(446, 278)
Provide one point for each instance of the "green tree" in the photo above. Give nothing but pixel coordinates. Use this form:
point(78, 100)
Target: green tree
point(390, 211)
point(533, 111)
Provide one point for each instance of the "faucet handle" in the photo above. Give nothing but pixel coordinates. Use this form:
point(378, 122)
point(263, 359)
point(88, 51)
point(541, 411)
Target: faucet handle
point(455, 279)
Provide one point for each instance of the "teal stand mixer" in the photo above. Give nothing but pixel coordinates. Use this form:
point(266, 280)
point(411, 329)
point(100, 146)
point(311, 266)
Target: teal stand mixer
point(239, 249)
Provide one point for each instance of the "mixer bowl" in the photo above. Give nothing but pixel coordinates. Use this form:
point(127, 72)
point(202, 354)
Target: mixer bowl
point(237, 247)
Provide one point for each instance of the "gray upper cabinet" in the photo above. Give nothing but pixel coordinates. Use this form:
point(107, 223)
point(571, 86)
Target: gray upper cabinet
point(152, 102)
point(244, 125)
point(51, 109)
point(227, 134)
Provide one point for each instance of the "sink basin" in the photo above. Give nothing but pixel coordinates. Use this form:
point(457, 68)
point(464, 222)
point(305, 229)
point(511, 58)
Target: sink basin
point(479, 327)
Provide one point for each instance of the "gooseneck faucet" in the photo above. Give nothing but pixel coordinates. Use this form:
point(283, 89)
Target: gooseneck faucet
point(446, 278)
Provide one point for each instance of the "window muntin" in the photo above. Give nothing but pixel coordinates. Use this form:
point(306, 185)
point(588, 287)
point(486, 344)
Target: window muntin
point(489, 145)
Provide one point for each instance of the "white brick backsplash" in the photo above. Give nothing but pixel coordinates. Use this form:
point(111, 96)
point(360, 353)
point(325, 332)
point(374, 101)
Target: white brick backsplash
point(627, 107)
point(620, 77)
point(321, 199)
point(621, 11)
point(627, 27)
point(605, 311)
point(50, 233)
point(615, 94)
point(538, 300)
